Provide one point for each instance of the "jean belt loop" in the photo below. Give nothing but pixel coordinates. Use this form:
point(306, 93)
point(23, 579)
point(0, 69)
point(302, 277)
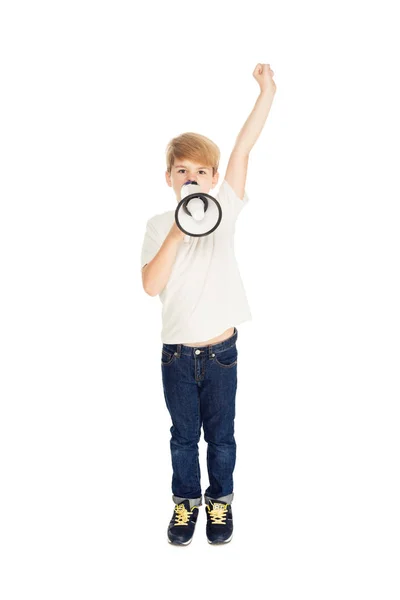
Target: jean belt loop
point(178, 350)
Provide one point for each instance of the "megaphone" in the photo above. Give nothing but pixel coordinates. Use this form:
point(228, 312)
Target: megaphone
point(197, 213)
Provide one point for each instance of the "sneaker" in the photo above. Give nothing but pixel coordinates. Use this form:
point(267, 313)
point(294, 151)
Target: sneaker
point(219, 529)
point(183, 522)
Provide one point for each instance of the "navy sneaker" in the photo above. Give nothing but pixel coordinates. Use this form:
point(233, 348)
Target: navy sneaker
point(219, 529)
point(183, 522)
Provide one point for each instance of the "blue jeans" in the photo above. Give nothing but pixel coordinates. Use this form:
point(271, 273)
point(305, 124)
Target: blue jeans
point(199, 389)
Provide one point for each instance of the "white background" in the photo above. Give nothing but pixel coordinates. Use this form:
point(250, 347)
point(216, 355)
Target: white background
point(91, 94)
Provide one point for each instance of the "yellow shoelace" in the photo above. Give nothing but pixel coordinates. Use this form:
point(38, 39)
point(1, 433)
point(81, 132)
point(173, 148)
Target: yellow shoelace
point(182, 515)
point(218, 513)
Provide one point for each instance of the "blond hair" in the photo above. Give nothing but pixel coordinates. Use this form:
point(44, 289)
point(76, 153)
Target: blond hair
point(194, 147)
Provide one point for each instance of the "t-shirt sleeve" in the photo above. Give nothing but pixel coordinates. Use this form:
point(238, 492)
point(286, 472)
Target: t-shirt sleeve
point(151, 243)
point(231, 204)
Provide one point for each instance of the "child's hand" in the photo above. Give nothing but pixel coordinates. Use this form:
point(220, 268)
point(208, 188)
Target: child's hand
point(176, 232)
point(263, 74)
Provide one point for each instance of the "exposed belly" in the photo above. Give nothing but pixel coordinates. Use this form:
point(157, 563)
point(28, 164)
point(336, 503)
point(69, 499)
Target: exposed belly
point(215, 340)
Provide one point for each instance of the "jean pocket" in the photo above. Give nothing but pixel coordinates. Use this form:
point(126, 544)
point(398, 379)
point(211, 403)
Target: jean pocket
point(227, 358)
point(167, 357)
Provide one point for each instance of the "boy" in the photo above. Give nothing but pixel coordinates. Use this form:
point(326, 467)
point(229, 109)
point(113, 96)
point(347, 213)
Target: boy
point(203, 299)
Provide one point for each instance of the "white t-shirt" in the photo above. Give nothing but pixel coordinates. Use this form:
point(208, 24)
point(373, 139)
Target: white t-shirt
point(204, 295)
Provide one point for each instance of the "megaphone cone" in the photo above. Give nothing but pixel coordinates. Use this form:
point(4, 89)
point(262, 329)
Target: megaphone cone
point(198, 213)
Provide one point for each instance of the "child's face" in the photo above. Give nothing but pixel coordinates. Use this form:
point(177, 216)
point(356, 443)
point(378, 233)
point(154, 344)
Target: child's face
point(184, 170)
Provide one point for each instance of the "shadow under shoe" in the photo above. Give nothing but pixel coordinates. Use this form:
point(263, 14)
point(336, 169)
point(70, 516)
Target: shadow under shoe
point(182, 525)
point(219, 528)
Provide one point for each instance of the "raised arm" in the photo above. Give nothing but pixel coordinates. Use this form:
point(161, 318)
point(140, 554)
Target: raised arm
point(236, 171)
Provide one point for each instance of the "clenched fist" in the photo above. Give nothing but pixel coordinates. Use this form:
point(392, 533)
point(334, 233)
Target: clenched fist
point(264, 74)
